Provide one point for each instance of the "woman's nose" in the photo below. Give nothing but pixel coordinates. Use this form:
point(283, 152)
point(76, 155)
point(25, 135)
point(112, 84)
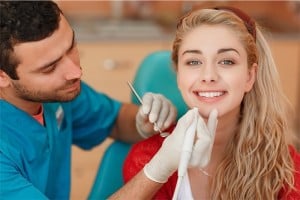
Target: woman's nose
point(209, 73)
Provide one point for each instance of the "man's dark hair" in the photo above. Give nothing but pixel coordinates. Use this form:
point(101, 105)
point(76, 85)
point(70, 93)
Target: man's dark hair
point(24, 21)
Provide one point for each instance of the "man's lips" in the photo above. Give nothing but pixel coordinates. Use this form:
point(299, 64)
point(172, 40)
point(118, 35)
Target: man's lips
point(73, 86)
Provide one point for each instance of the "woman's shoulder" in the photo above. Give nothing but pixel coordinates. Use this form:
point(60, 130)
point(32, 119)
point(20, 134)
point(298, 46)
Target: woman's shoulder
point(145, 150)
point(140, 154)
point(295, 156)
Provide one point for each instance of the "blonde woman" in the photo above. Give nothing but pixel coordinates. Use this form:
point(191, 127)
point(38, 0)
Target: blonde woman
point(224, 63)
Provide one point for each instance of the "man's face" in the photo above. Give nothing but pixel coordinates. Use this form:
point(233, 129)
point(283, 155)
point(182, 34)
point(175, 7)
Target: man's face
point(49, 69)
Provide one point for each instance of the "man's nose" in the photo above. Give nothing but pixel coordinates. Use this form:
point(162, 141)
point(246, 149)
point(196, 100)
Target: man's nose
point(72, 70)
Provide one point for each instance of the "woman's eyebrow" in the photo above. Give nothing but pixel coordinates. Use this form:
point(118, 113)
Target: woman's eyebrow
point(195, 51)
point(192, 51)
point(227, 49)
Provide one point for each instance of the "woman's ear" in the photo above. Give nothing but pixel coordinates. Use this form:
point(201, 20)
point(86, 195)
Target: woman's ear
point(251, 77)
point(4, 79)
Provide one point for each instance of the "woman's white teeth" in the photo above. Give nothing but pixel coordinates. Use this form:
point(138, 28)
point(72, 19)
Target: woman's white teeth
point(210, 94)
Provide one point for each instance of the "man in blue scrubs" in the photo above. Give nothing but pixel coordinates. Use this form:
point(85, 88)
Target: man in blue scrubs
point(45, 107)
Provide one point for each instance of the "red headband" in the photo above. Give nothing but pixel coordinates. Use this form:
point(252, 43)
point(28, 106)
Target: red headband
point(248, 21)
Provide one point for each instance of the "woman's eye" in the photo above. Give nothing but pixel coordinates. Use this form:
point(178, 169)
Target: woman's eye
point(227, 62)
point(194, 62)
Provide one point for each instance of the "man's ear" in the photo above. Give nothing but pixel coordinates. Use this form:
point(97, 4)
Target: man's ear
point(4, 79)
point(251, 77)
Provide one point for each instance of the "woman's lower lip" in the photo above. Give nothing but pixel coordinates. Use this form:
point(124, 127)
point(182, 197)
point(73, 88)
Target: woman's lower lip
point(208, 99)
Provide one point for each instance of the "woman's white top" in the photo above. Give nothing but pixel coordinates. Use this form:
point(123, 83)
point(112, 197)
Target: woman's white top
point(185, 192)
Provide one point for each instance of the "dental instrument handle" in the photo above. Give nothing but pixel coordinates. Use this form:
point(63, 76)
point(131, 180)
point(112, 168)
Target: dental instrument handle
point(187, 148)
point(185, 156)
point(141, 102)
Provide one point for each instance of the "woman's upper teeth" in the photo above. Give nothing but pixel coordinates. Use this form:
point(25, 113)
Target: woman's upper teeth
point(210, 94)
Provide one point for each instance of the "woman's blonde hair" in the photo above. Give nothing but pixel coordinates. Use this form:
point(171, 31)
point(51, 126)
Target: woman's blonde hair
point(257, 164)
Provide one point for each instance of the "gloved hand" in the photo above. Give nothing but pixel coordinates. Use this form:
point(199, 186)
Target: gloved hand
point(155, 109)
point(205, 140)
point(166, 160)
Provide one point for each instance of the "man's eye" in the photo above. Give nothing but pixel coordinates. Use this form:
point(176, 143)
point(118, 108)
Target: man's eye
point(227, 62)
point(49, 69)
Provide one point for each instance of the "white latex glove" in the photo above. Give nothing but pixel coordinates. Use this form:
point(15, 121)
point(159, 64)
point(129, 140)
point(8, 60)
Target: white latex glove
point(155, 109)
point(165, 162)
point(205, 140)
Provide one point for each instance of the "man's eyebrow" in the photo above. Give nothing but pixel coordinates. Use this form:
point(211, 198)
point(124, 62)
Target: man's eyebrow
point(73, 42)
point(56, 60)
point(227, 49)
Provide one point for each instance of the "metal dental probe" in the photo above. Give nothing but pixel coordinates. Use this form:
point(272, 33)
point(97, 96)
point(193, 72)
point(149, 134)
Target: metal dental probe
point(141, 102)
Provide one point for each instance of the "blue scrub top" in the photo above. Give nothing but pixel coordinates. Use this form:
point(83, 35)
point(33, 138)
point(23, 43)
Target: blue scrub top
point(35, 160)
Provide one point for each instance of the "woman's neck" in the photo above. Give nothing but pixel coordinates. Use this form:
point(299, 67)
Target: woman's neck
point(226, 129)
